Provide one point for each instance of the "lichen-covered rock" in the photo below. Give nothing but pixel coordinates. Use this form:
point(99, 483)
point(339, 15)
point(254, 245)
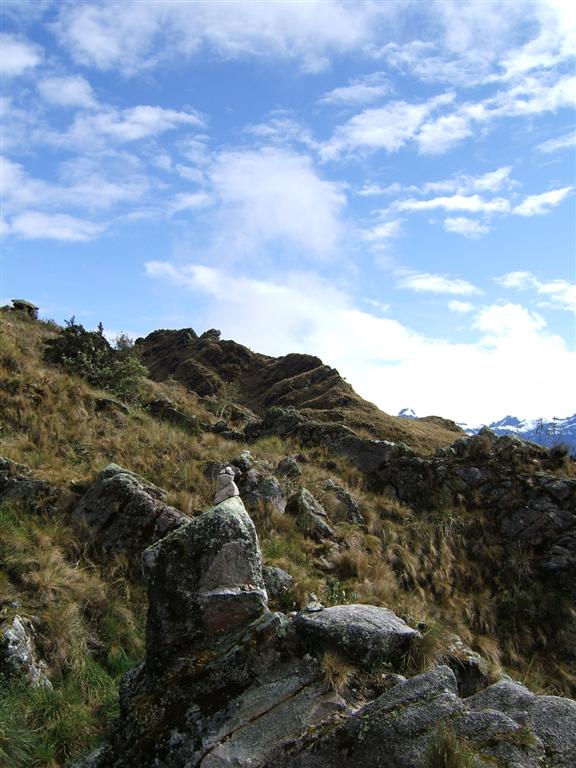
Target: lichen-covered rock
point(204, 581)
point(18, 657)
point(124, 513)
point(551, 718)
point(311, 517)
point(366, 634)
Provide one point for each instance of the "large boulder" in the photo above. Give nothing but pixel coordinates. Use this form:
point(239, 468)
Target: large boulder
point(204, 581)
point(366, 634)
point(124, 513)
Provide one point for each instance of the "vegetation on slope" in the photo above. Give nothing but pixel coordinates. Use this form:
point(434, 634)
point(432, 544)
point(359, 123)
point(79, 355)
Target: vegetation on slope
point(445, 572)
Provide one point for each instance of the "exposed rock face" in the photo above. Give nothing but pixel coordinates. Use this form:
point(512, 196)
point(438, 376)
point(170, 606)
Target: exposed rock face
point(278, 582)
point(18, 658)
point(26, 307)
point(204, 581)
point(124, 513)
point(310, 515)
point(364, 633)
point(17, 485)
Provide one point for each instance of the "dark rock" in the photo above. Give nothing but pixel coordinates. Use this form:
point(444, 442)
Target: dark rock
point(204, 581)
point(124, 513)
point(311, 517)
point(278, 582)
point(260, 488)
point(471, 670)
point(366, 634)
point(289, 467)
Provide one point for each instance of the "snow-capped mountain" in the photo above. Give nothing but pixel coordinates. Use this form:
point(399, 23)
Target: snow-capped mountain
point(542, 431)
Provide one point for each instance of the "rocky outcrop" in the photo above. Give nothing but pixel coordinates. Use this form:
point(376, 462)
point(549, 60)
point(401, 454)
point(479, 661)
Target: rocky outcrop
point(17, 486)
point(164, 410)
point(348, 504)
point(123, 513)
point(204, 581)
point(228, 683)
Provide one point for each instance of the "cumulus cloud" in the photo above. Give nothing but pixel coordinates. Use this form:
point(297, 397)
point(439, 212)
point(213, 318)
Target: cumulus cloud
point(385, 360)
point(538, 205)
point(424, 282)
point(382, 231)
point(70, 91)
point(276, 195)
point(18, 55)
point(466, 227)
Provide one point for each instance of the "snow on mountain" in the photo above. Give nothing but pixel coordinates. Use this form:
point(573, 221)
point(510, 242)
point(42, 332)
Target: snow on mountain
point(542, 431)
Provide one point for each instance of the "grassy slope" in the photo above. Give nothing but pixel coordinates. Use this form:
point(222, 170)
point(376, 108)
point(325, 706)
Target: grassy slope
point(447, 570)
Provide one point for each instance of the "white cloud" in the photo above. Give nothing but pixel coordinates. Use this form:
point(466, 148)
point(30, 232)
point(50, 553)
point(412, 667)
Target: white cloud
point(362, 90)
point(460, 183)
point(438, 136)
point(275, 194)
point(424, 282)
point(18, 56)
point(280, 129)
point(192, 201)
point(466, 227)
point(505, 369)
point(146, 33)
point(557, 293)
point(538, 205)
point(34, 225)
point(461, 307)
point(470, 204)
point(382, 231)
point(389, 127)
point(71, 91)
point(108, 126)
point(567, 141)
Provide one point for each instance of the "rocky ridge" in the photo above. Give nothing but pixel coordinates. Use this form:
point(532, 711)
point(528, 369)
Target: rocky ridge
point(228, 682)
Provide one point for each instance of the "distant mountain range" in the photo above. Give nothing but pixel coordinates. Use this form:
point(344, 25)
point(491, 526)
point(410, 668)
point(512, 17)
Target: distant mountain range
point(541, 431)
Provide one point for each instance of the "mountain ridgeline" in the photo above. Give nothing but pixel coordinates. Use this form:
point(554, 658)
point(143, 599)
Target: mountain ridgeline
point(213, 558)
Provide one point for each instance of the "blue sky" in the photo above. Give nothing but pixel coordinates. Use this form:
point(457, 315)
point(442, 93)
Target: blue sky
point(387, 185)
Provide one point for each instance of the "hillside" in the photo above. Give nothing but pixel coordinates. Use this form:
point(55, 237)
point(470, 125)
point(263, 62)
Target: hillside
point(453, 557)
point(227, 371)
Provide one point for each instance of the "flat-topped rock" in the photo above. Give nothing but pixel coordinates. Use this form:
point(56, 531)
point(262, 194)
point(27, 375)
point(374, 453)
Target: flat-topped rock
point(365, 633)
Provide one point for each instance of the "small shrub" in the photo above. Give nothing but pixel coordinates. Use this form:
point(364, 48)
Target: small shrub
point(446, 750)
point(89, 355)
point(337, 672)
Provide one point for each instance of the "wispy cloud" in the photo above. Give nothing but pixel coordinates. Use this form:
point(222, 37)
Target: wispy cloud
point(470, 228)
point(558, 293)
point(539, 205)
point(566, 141)
point(424, 282)
point(362, 90)
point(35, 225)
point(470, 204)
point(461, 307)
point(147, 33)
